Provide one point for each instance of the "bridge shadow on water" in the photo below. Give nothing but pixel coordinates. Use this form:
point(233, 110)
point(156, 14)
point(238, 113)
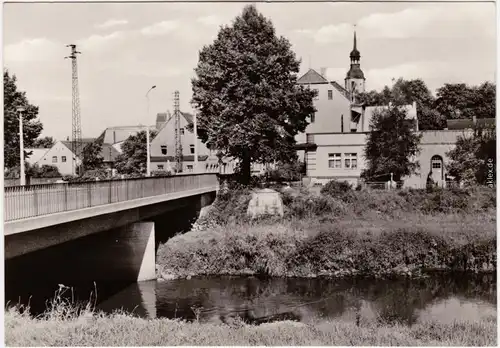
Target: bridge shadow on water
point(96, 267)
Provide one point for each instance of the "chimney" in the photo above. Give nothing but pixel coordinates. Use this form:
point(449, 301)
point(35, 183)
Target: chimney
point(323, 72)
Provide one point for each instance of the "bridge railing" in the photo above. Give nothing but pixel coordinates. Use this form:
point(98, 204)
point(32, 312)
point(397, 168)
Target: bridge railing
point(22, 202)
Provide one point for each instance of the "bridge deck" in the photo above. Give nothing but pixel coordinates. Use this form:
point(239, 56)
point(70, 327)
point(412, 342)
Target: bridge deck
point(28, 202)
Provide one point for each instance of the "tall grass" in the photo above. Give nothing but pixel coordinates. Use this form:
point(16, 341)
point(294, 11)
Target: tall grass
point(119, 329)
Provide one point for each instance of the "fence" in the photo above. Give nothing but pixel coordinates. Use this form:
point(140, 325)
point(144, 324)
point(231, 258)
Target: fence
point(22, 202)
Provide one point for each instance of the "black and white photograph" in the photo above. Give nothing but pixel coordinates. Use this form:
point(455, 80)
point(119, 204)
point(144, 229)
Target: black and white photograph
point(237, 173)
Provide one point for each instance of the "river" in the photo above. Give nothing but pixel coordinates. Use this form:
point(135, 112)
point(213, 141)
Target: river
point(439, 296)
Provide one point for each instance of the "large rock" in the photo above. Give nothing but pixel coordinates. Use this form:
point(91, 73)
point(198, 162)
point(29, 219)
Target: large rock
point(265, 202)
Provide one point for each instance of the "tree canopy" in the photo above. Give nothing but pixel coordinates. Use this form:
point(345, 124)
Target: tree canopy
point(462, 101)
point(473, 159)
point(391, 146)
point(45, 142)
point(14, 99)
point(407, 92)
point(92, 158)
point(133, 158)
point(451, 101)
point(245, 90)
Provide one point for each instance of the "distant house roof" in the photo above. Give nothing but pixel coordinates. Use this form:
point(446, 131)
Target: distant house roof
point(108, 152)
point(161, 117)
point(311, 77)
point(36, 154)
point(341, 89)
point(113, 135)
point(187, 116)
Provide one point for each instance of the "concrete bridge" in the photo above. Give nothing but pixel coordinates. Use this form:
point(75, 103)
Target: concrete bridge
point(125, 212)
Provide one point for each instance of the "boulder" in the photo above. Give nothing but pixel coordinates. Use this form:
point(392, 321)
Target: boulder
point(265, 202)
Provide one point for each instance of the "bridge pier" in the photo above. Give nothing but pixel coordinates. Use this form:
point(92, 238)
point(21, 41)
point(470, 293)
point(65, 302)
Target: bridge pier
point(140, 238)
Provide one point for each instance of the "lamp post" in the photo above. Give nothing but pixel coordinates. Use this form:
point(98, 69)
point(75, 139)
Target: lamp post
point(195, 143)
point(22, 176)
point(148, 159)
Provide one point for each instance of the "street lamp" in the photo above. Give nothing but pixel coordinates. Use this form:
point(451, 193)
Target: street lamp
point(148, 159)
point(22, 176)
point(195, 128)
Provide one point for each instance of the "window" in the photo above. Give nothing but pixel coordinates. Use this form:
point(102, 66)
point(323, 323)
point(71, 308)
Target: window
point(164, 149)
point(313, 117)
point(317, 94)
point(63, 159)
point(160, 166)
point(351, 160)
point(334, 160)
point(436, 162)
point(189, 167)
point(191, 148)
point(54, 159)
point(330, 94)
point(310, 138)
point(182, 131)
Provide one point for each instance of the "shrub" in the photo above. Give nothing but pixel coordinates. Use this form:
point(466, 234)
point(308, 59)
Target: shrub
point(161, 173)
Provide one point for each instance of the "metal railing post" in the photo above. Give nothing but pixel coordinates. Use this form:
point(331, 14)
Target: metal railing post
point(109, 195)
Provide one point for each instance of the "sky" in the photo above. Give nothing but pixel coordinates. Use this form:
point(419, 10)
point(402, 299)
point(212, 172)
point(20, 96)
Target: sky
point(127, 48)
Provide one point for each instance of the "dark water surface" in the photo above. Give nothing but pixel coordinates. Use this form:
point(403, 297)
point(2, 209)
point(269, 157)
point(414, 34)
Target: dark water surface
point(438, 297)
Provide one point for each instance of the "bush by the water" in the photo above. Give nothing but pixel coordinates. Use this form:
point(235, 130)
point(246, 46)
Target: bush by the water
point(309, 247)
point(363, 232)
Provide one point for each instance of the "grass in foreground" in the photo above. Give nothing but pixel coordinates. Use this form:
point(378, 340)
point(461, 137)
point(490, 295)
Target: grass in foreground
point(89, 328)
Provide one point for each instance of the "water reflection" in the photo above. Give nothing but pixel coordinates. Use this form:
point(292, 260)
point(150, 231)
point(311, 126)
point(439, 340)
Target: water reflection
point(440, 297)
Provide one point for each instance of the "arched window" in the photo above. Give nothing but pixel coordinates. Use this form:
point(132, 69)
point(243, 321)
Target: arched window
point(437, 167)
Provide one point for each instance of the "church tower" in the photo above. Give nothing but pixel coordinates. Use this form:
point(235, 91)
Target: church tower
point(355, 79)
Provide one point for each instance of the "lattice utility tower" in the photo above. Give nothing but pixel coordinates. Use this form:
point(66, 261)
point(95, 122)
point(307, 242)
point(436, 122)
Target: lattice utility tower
point(76, 135)
point(178, 142)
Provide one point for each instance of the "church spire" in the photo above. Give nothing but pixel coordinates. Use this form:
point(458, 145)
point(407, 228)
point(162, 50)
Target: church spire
point(355, 78)
point(355, 55)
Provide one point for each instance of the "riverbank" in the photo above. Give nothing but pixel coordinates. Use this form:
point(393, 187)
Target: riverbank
point(371, 233)
point(98, 329)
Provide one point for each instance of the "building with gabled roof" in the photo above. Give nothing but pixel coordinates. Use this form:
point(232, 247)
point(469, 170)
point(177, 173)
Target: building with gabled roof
point(61, 156)
point(332, 145)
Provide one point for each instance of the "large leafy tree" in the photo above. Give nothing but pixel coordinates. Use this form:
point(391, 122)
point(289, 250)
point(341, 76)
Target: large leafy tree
point(14, 99)
point(250, 106)
point(92, 158)
point(462, 101)
point(407, 92)
point(473, 159)
point(45, 142)
point(392, 146)
point(133, 158)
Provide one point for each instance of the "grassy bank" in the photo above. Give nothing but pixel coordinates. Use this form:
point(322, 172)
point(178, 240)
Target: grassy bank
point(372, 233)
point(97, 329)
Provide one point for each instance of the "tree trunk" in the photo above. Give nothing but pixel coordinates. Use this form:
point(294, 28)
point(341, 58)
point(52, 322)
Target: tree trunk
point(245, 168)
